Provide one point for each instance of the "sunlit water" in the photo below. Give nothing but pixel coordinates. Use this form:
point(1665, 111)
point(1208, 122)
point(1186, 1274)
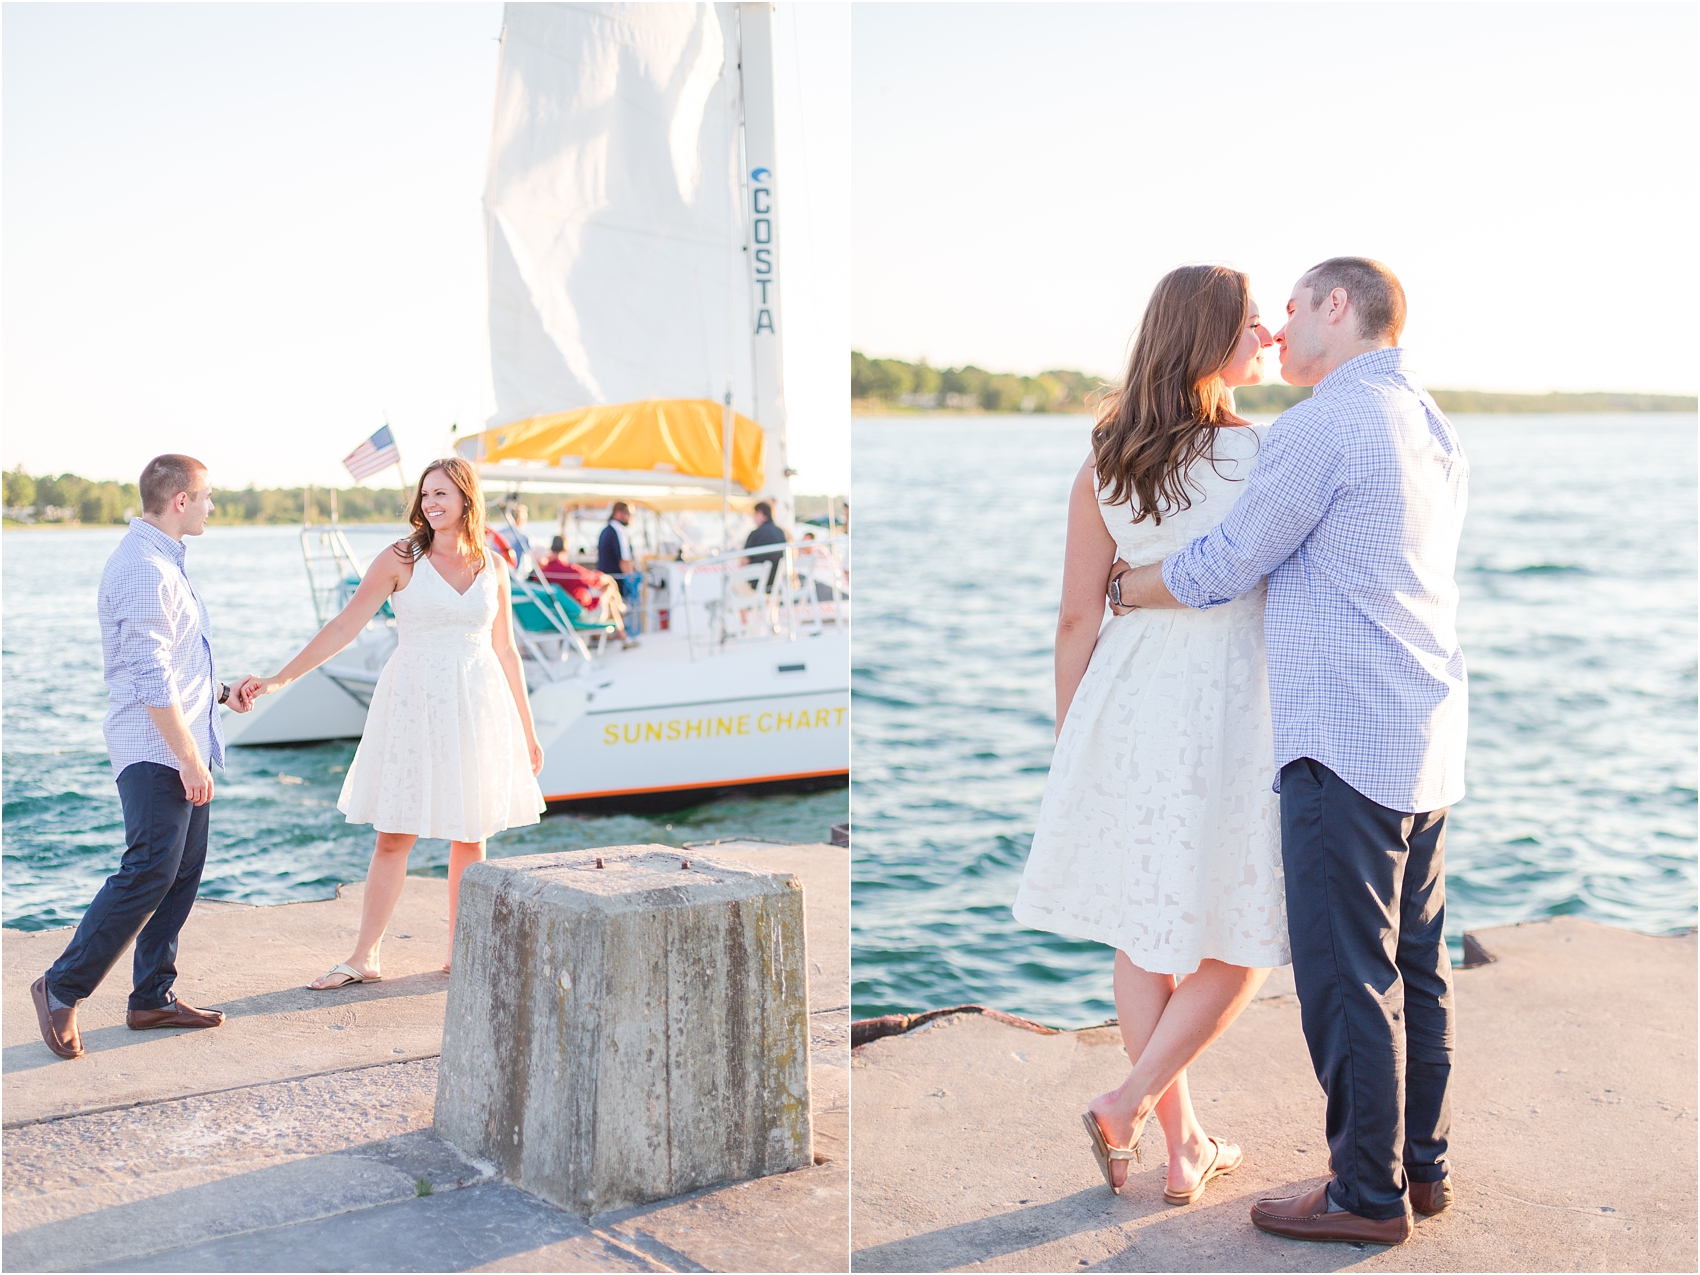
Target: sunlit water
point(276, 835)
point(1577, 574)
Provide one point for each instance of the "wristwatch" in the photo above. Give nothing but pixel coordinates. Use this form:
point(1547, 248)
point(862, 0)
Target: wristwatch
point(224, 692)
point(1116, 589)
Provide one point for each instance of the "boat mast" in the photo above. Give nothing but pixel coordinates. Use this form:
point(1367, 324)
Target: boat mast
point(755, 69)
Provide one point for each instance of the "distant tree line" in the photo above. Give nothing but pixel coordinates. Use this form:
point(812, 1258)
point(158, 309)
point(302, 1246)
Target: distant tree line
point(288, 504)
point(78, 501)
point(1264, 400)
point(68, 498)
point(892, 384)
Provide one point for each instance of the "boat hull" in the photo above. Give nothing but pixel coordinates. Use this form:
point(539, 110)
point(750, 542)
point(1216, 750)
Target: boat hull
point(313, 709)
point(644, 725)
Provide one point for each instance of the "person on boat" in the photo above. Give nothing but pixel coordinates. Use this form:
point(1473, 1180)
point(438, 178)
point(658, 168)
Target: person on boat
point(1353, 515)
point(591, 589)
point(163, 735)
point(519, 515)
point(1159, 834)
point(766, 532)
point(614, 558)
point(512, 544)
point(449, 749)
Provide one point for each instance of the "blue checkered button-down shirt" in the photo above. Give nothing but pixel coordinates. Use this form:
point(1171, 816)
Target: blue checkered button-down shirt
point(154, 638)
point(1353, 512)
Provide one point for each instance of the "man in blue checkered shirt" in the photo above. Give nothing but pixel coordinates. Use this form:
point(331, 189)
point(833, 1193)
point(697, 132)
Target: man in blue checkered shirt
point(1353, 513)
point(163, 735)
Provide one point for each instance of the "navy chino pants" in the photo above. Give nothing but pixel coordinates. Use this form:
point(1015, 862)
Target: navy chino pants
point(1366, 907)
point(630, 591)
point(147, 899)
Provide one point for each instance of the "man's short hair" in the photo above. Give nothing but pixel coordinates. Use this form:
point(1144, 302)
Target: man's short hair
point(164, 476)
point(620, 507)
point(1372, 287)
point(557, 544)
point(764, 509)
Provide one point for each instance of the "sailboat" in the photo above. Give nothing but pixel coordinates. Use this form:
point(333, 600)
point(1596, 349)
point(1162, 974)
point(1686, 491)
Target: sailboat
point(632, 219)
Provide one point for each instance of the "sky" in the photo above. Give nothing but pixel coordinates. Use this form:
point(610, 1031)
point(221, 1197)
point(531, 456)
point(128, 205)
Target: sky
point(1024, 174)
point(250, 232)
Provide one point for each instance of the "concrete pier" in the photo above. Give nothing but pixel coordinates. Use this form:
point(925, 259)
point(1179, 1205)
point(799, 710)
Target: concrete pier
point(1574, 1130)
point(298, 1136)
point(627, 1024)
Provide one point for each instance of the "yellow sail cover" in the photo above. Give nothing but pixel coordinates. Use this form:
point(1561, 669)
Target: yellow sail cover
point(660, 435)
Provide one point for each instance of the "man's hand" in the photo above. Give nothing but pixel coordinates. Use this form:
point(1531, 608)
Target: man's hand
point(197, 781)
point(1142, 588)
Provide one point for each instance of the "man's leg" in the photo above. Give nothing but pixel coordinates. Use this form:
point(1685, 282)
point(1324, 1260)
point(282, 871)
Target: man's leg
point(1426, 970)
point(1344, 857)
point(629, 585)
point(156, 826)
point(156, 945)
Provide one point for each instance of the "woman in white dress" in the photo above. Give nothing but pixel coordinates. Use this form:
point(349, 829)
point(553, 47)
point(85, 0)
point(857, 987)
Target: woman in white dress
point(1159, 833)
point(449, 750)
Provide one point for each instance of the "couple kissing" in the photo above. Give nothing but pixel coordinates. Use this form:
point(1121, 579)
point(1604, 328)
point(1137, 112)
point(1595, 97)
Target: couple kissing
point(1256, 753)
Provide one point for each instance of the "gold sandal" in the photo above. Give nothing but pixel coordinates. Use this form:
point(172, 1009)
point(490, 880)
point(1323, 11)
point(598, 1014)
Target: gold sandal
point(1217, 1169)
point(1104, 1152)
point(347, 973)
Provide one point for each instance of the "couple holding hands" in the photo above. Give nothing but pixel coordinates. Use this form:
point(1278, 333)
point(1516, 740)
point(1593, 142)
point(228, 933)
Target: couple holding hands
point(1256, 753)
point(449, 750)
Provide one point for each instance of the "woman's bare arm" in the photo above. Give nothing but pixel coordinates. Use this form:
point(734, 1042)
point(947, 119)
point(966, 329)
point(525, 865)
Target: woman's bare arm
point(507, 655)
point(383, 578)
point(1086, 565)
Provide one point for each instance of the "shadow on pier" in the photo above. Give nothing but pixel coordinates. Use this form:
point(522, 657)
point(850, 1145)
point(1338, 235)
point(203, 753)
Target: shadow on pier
point(298, 1136)
point(1573, 1146)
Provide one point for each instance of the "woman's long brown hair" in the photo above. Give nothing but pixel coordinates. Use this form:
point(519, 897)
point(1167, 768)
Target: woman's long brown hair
point(465, 479)
point(1164, 415)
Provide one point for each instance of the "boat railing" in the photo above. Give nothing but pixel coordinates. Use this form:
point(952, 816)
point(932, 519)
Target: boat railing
point(810, 590)
point(334, 570)
point(561, 633)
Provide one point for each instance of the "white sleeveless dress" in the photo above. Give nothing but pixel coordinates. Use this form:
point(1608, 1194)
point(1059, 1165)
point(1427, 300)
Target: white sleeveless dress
point(1159, 833)
point(443, 753)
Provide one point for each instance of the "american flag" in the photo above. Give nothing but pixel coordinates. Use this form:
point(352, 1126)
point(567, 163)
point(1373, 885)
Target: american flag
point(377, 452)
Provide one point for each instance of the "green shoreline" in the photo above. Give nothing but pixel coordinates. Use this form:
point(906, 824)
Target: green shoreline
point(898, 388)
point(281, 506)
point(1461, 402)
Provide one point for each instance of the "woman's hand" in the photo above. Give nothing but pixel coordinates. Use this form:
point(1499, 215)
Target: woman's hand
point(249, 689)
point(536, 750)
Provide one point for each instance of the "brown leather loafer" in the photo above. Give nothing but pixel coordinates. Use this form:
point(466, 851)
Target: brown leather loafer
point(58, 1026)
point(1429, 1198)
point(1306, 1217)
point(176, 1014)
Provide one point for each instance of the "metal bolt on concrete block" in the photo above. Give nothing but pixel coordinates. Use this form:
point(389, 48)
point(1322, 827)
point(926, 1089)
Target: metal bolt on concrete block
point(624, 1035)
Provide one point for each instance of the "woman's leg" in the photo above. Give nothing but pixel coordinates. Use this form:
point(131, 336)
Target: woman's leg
point(383, 889)
point(461, 853)
point(1165, 1027)
point(1141, 998)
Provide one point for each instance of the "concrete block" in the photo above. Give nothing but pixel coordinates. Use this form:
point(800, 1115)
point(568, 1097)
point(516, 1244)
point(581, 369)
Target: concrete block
point(623, 1033)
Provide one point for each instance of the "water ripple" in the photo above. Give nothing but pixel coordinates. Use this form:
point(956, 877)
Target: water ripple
point(275, 834)
point(1577, 573)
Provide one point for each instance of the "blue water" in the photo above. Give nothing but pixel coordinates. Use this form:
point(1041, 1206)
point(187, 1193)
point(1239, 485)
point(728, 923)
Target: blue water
point(1577, 573)
point(276, 835)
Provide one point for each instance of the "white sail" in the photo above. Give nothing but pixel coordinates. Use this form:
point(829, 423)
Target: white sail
point(613, 209)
